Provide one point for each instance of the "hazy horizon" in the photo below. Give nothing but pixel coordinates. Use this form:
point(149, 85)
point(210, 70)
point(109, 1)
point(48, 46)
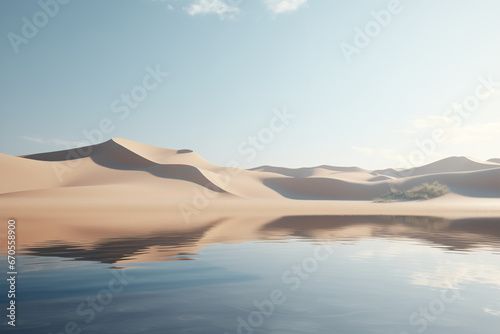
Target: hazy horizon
point(75, 152)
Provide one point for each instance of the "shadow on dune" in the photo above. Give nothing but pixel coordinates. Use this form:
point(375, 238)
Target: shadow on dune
point(483, 184)
point(122, 158)
point(72, 154)
point(115, 156)
point(325, 188)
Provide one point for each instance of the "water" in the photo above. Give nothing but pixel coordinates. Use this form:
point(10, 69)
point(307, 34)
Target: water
point(289, 275)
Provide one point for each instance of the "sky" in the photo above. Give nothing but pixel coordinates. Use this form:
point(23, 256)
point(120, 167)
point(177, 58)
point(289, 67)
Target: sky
point(290, 83)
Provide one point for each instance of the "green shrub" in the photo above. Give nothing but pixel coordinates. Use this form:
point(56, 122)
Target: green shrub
point(421, 192)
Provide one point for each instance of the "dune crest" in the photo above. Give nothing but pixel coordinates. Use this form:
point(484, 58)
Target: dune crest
point(124, 171)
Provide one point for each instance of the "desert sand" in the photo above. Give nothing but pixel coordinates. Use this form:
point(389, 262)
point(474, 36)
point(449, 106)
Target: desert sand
point(119, 187)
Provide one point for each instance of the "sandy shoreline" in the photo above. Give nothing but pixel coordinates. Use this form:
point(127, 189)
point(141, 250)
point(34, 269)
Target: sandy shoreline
point(121, 184)
point(68, 209)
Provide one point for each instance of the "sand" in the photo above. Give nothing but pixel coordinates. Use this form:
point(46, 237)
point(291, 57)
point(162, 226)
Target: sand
point(121, 185)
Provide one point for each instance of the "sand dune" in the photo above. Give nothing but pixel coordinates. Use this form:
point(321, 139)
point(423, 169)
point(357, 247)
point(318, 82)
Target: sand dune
point(327, 188)
point(307, 171)
point(454, 164)
point(120, 173)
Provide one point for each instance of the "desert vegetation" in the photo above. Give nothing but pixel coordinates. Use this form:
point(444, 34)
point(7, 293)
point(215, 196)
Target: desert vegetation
point(420, 192)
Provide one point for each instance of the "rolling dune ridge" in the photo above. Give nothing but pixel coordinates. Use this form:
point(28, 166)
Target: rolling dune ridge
point(125, 179)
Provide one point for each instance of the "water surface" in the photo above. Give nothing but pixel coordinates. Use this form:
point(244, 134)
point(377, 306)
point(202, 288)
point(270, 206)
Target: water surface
point(285, 275)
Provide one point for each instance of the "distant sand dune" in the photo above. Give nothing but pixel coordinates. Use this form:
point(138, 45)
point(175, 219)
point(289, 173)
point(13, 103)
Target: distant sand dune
point(447, 165)
point(122, 171)
point(326, 188)
point(306, 171)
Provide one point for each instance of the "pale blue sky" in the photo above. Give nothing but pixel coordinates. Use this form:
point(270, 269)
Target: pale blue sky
point(231, 63)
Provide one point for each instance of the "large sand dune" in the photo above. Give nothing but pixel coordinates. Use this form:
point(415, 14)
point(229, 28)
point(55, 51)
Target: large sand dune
point(122, 177)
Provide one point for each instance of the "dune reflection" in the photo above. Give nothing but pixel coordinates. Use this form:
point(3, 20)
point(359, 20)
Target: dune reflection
point(159, 242)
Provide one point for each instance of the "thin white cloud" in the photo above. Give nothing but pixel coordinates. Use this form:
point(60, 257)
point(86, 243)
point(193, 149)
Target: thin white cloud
point(55, 141)
point(479, 132)
point(482, 132)
point(431, 122)
point(284, 6)
point(492, 312)
point(206, 7)
point(33, 139)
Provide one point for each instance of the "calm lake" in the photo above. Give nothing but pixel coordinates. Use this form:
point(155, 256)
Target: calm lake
point(305, 274)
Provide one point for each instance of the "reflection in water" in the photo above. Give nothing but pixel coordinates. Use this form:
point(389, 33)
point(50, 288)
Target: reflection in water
point(309, 274)
point(115, 249)
point(158, 245)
